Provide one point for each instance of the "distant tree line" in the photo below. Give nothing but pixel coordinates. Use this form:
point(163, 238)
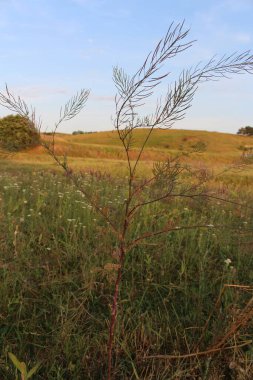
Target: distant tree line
point(248, 131)
point(82, 132)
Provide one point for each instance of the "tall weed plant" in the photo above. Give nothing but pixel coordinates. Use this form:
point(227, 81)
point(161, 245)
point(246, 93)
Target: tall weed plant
point(173, 180)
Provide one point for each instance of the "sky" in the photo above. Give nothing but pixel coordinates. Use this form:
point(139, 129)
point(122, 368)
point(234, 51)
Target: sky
point(50, 49)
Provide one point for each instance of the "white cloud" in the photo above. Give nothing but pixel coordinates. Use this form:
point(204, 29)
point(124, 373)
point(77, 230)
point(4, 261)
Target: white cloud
point(237, 5)
point(242, 37)
point(38, 91)
point(102, 98)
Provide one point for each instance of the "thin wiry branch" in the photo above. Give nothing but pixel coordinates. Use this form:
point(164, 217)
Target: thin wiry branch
point(17, 105)
point(71, 109)
point(197, 354)
point(216, 68)
point(165, 230)
point(179, 97)
point(140, 86)
point(14, 103)
point(170, 180)
point(134, 91)
point(74, 106)
point(170, 229)
point(176, 102)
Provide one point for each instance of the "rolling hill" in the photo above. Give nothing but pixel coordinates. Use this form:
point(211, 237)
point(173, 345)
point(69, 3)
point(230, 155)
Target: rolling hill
point(104, 149)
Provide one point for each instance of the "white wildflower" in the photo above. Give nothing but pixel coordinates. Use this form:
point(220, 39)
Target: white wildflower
point(227, 261)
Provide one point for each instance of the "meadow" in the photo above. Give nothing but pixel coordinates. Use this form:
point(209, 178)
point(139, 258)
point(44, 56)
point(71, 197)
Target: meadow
point(103, 150)
point(183, 292)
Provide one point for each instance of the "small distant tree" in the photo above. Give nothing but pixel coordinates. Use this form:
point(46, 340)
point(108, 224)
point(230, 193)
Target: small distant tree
point(18, 132)
point(248, 131)
point(78, 133)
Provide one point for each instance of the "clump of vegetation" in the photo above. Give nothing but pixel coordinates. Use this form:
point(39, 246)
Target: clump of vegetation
point(17, 132)
point(199, 146)
point(78, 133)
point(21, 366)
point(82, 132)
point(248, 131)
point(48, 133)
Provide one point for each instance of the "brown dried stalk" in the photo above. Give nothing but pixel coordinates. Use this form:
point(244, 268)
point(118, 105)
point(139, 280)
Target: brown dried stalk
point(241, 321)
point(196, 354)
point(217, 305)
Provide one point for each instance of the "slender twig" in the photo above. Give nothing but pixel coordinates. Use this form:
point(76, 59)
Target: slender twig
point(70, 174)
point(241, 320)
point(217, 305)
point(165, 230)
point(196, 354)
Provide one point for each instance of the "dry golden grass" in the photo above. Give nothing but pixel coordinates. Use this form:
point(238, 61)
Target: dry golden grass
point(103, 151)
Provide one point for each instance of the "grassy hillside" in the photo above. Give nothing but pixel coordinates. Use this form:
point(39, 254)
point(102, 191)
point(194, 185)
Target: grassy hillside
point(103, 150)
point(162, 139)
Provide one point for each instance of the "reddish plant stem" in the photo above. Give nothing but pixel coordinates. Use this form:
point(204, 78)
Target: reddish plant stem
point(122, 255)
point(114, 313)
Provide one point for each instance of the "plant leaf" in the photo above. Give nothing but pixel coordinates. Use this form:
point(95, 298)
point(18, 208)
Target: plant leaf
point(33, 370)
point(16, 362)
point(23, 369)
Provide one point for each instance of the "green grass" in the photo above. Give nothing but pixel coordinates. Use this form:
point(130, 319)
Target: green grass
point(57, 283)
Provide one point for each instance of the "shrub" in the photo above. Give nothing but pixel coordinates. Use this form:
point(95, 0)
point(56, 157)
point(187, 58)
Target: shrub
point(82, 132)
point(78, 133)
point(17, 133)
point(199, 146)
point(248, 131)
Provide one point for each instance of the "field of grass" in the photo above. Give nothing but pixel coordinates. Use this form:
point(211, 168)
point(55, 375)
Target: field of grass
point(57, 268)
point(96, 149)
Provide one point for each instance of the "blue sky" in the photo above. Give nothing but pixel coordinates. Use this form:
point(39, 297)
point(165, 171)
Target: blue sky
point(49, 49)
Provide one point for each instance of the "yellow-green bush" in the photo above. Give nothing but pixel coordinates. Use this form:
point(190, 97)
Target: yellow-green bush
point(17, 133)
